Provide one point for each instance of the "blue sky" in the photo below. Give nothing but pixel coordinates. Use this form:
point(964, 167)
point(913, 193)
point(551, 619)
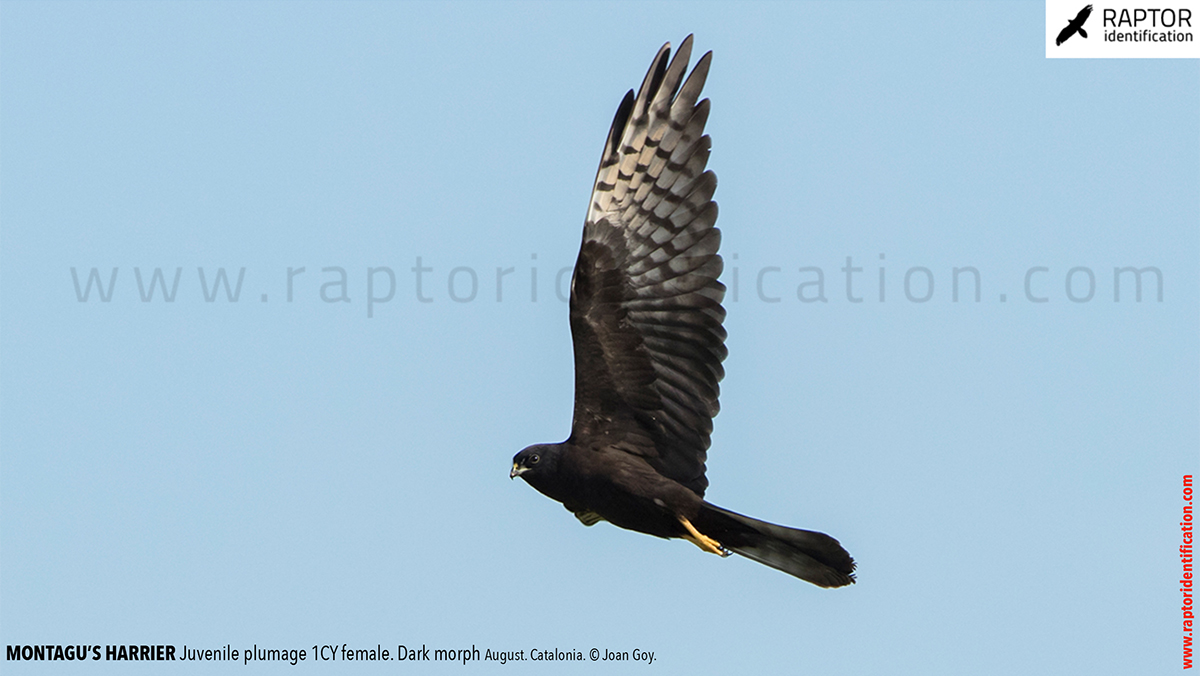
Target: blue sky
point(1007, 473)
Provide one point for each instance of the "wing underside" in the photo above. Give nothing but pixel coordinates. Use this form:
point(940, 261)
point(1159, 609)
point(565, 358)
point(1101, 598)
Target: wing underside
point(646, 314)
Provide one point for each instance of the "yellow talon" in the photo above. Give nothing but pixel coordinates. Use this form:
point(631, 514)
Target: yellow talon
point(702, 541)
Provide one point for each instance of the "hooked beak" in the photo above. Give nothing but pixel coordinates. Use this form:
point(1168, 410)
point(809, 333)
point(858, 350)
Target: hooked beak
point(517, 471)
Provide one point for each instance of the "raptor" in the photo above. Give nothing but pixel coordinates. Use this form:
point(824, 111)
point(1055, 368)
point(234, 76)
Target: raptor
point(647, 327)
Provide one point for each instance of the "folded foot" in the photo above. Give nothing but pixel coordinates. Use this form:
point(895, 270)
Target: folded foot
point(702, 541)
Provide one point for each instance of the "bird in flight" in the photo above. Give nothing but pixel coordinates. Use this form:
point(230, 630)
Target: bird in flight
point(646, 322)
point(1075, 26)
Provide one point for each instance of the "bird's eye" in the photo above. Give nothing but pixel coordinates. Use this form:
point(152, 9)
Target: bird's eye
point(533, 459)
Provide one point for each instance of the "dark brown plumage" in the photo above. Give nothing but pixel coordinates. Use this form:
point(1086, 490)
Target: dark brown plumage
point(646, 321)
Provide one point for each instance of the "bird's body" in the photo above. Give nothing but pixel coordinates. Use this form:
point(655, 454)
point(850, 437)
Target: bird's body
point(646, 322)
point(617, 486)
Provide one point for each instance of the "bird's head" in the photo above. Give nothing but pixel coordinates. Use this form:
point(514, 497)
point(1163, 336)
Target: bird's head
point(537, 461)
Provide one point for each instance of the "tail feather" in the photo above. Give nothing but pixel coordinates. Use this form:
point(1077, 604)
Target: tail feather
point(808, 555)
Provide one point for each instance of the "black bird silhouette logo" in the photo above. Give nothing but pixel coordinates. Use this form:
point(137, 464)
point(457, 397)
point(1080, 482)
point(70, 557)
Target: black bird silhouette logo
point(1075, 26)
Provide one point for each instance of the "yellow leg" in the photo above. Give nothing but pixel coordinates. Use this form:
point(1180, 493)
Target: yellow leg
point(702, 541)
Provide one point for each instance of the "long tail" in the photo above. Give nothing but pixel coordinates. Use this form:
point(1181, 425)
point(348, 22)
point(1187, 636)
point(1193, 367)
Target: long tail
point(806, 554)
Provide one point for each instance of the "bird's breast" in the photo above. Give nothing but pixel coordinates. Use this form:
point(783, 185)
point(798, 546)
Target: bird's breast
point(628, 492)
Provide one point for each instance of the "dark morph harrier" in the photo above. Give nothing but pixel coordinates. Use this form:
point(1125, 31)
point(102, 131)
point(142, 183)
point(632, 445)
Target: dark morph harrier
point(646, 324)
point(1075, 26)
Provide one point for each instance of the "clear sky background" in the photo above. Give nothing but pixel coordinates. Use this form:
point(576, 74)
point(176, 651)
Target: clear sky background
point(1007, 473)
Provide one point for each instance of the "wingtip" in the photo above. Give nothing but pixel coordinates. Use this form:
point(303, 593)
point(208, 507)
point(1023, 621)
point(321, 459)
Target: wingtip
point(653, 79)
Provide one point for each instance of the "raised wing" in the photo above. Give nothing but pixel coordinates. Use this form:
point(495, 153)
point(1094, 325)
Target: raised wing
point(645, 301)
